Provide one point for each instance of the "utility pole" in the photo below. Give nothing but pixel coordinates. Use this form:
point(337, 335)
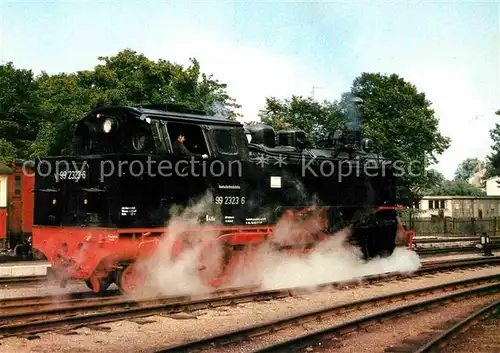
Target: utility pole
point(313, 89)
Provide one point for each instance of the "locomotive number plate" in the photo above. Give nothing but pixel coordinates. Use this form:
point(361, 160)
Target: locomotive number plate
point(72, 174)
point(230, 200)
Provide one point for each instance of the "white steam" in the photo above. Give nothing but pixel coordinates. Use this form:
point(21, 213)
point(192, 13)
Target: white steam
point(332, 260)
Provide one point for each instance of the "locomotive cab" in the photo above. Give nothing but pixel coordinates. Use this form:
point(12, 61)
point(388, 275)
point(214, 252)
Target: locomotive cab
point(142, 130)
point(125, 172)
point(114, 131)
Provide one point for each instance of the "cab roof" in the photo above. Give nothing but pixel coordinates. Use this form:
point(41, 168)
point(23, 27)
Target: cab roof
point(167, 112)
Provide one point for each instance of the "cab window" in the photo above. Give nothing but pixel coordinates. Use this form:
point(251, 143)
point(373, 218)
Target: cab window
point(193, 134)
point(226, 143)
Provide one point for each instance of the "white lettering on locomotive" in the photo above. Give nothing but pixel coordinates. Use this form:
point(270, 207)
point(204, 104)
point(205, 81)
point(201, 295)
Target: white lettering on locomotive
point(230, 200)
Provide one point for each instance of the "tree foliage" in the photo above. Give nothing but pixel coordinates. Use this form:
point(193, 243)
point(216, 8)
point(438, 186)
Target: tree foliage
point(456, 188)
point(8, 152)
point(315, 118)
point(393, 111)
point(38, 113)
point(493, 159)
point(20, 115)
point(467, 168)
point(434, 181)
point(438, 185)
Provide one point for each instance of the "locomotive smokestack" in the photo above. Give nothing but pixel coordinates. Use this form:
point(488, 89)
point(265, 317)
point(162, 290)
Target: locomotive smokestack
point(352, 136)
point(353, 114)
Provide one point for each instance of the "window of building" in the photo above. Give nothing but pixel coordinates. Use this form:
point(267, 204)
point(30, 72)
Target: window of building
point(226, 142)
point(436, 204)
point(17, 186)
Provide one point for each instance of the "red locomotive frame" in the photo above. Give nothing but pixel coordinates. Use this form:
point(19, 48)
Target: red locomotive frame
point(101, 256)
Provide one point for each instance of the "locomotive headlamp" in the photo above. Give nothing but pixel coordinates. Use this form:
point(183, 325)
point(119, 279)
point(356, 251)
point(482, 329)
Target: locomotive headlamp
point(367, 145)
point(108, 125)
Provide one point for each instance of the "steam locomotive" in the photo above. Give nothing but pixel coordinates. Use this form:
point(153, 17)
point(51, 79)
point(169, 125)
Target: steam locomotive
point(102, 211)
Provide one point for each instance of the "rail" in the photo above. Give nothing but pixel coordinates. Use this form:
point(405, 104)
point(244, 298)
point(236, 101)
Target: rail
point(41, 319)
point(316, 337)
point(458, 329)
point(240, 335)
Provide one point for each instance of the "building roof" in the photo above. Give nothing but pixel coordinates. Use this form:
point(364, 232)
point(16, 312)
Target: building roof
point(493, 177)
point(4, 169)
point(446, 197)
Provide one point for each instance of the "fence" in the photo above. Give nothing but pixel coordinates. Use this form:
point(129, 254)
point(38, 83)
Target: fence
point(453, 226)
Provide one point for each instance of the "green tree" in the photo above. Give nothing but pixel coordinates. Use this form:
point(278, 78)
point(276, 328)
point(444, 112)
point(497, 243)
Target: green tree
point(20, 115)
point(132, 78)
point(456, 188)
point(8, 152)
point(314, 118)
point(438, 185)
point(434, 181)
point(467, 168)
point(64, 101)
point(395, 115)
point(127, 78)
point(399, 119)
point(493, 159)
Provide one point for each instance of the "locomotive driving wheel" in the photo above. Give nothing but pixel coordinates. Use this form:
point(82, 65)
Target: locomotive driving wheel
point(98, 285)
point(130, 279)
point(216, 263)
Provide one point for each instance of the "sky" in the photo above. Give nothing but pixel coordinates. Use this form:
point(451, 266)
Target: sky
point(448, 50)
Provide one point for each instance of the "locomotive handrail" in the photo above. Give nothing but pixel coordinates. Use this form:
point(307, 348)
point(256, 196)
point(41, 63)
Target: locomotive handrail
point(45, 190)
point(93, 190)
point(145, 234)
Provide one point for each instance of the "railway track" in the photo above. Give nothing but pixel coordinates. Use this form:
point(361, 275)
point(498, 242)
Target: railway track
point(79, 298)
point(230, 340)
point(39, 314)
point(440, 341)
point(452, 250)
point(462, 239)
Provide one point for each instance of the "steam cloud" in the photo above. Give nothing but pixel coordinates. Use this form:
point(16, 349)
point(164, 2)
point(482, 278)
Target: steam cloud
point(332, 260)
point(353, 113)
